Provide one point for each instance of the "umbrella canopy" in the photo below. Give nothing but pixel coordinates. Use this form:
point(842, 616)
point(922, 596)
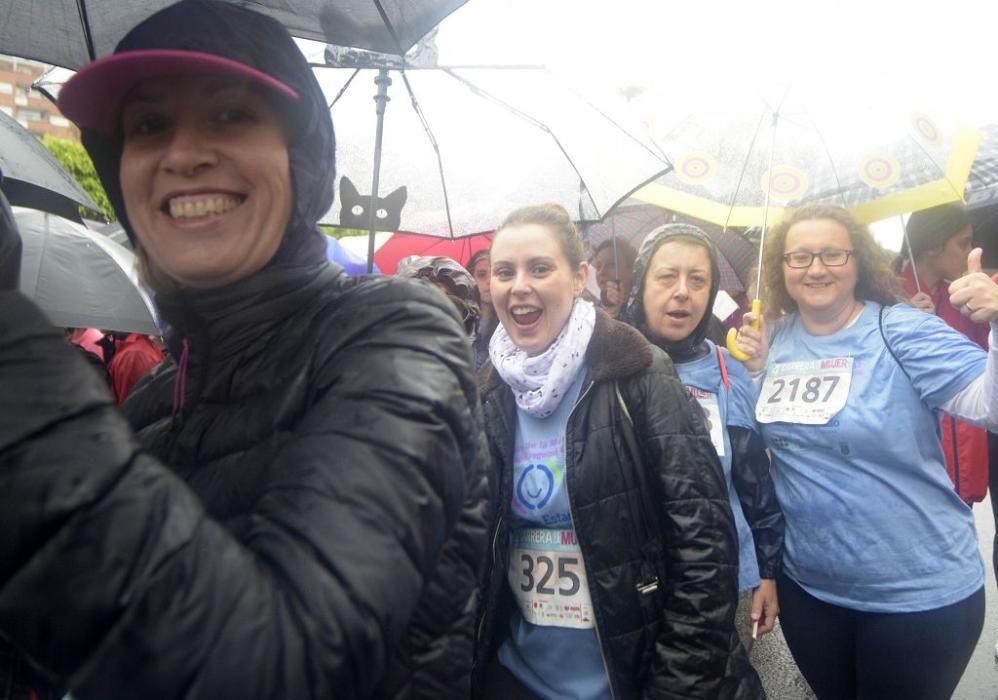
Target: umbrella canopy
point(464, 146)
point(80, 278)
point(71, 33)
point(982, 187)
point(632, 221)
point(807, 146)
point(32, 177)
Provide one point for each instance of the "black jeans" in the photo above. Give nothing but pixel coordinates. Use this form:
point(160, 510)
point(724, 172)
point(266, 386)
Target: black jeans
point(499, 684)
point(848, 654)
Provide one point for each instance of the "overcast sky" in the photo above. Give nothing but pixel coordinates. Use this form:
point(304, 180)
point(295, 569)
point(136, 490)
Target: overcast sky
point(936, 57)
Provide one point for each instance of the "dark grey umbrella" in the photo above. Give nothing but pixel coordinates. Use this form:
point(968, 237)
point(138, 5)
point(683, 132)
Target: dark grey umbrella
point(633, 220)
point(80, 278)
point(32, 177)
point(71, 33)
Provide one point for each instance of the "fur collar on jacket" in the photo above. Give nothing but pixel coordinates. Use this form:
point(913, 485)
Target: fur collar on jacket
point(616, 350)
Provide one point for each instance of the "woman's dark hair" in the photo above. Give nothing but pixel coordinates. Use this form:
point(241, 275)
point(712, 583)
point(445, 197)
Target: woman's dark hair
point(475, 259)
point(930, 228)
point(875, 281)
point(554, 217)
point(626, 254)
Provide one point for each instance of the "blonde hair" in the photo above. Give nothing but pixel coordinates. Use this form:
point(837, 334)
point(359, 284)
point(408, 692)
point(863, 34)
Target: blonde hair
point(875, 281)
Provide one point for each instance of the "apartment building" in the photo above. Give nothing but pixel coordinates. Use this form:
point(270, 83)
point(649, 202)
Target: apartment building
point(32, 109)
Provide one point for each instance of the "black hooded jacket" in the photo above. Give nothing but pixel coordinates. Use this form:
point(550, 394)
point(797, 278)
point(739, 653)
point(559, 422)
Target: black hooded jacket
point(293, 505)
point(678, 641)
point(750, 466)
point(299, 512)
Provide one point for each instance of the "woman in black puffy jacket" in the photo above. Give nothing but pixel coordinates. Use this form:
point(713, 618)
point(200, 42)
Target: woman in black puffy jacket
point(294, 506)
point(676, 280)
point(614, 557)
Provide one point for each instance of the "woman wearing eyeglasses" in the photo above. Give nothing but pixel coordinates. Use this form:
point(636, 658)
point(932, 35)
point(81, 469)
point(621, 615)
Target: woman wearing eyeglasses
point(881, 594)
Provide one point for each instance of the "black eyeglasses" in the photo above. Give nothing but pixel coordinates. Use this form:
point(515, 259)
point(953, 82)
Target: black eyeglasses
point(829, 258)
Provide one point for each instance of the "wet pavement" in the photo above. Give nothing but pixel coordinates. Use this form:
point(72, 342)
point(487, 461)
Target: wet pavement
point(980, 680)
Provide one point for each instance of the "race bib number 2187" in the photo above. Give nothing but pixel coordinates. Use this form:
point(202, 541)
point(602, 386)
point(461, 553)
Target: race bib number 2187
point(808, 392)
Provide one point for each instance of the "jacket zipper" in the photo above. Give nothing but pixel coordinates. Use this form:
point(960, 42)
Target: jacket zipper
point(495, 542)
point(571, 516)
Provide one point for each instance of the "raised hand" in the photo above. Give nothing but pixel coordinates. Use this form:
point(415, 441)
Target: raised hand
point(754, 342)
point(614, 297)
point(975, 294)
point(924, 302)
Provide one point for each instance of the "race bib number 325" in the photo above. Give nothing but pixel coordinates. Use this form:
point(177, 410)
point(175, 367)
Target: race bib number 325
point(808, 392)
point(548, 579)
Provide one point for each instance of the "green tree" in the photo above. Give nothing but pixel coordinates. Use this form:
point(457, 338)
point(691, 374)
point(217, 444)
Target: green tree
point(337, 232)
point(76, 161)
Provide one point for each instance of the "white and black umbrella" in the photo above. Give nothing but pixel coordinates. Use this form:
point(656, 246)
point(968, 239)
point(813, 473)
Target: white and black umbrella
point(457, 148)
point(71, 33)
point(32, 177)
point(80, 278)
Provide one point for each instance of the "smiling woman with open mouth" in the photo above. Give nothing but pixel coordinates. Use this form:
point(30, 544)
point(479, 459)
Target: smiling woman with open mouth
point(615, 543)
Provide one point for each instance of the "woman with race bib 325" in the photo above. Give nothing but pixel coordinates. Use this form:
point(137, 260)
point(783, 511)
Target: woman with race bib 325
point(613, 570)
point(881, 594)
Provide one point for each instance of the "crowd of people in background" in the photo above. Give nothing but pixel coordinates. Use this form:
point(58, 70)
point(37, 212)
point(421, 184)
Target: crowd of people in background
point(472, 478)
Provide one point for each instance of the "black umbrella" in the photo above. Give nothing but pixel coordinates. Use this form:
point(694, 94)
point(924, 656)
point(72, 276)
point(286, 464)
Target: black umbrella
point(71, 33)
point(32, 177)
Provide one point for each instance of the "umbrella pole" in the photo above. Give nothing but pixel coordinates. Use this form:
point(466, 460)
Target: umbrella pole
point(765, 213)
point(732, 343)
point(381, 101)
point(911, 257)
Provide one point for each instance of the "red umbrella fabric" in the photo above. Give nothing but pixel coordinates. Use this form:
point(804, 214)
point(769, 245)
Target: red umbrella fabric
point(402, 244)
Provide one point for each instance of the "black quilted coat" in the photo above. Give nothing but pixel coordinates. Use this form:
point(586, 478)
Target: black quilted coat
point(679, 641)
point(298, 512)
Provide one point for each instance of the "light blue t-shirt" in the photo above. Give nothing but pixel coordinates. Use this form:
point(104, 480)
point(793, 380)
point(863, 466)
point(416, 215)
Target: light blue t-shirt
point(732, 405)
point(873, 521)
point(554, 662)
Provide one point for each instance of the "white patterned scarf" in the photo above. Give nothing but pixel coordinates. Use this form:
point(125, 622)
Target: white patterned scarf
point(539, 383)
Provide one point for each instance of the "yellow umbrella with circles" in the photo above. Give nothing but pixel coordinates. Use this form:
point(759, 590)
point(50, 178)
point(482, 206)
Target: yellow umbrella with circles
point(737, 166)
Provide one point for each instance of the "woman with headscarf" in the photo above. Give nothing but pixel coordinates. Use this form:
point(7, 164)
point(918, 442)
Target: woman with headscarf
point(676, 280)
point(613, 563)
point(293, 505)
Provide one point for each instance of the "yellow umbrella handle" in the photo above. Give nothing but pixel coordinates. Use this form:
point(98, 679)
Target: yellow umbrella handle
point(733, 348)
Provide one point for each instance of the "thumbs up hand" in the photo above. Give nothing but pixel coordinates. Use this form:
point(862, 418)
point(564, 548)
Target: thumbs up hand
point(975, 294)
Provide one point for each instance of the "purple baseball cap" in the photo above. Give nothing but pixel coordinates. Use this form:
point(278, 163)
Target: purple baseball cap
point(192, 37)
